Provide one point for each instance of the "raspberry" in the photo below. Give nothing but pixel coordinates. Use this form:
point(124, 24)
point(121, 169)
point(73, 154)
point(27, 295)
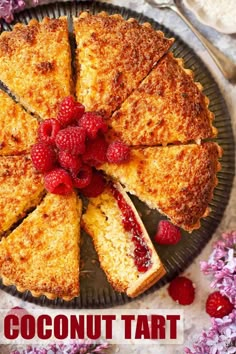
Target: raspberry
point(96, 186)
point(69, 111)
point(48, 131)
point(95, 153)
point(58, 181)
point(43, 157)
point(181, 290)
point(167, 233)
point(118, 152)
point(218, 305)
point(17, 311)
point(83, 177)
point(93, 123)
point(72, 140)
point(69, 162)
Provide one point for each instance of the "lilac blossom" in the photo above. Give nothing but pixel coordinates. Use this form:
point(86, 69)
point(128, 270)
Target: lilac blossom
point(80, 347)
point(221, 336)
point(219, 339)
point(222, 266)
point(8, 7)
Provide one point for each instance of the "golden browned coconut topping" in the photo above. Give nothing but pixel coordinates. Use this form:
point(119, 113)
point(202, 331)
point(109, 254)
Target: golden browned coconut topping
point(167, 107)
point(113, 56)
point(42, 254)
point(35, 64)
point(177, 180)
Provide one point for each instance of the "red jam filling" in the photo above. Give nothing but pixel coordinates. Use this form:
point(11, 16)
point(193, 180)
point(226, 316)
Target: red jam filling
point(142, 254)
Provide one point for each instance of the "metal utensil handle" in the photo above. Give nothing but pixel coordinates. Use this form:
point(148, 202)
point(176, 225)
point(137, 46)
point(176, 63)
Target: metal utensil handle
point(227, 67)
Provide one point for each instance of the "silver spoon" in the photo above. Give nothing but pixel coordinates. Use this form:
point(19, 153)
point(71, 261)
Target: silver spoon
point(227, 67)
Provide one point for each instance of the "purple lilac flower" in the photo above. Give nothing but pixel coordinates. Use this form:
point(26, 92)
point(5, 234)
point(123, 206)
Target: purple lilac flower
point(8, 7)
point(219, 339)
point(222, 266)
point(79, 347)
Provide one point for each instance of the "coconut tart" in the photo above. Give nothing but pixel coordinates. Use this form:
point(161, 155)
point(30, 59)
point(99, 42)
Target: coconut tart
point(21, 188)
point(167, 107)
point(113, 57)
point(42, 253)
point(176, 180)
point(125, 73)
point(18, 130)
point(127, 255)
point(35, 64)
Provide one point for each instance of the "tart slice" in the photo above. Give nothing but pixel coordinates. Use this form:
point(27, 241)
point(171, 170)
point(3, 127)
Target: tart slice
point(177, 180)
point(42, 254)
point(125, 250)
point(18, 130)
point(21, 188)
point(167, 107)
point(35, 64)
point(113, 56)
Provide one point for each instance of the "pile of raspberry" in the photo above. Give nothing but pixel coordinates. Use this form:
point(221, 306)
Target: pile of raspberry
point(70, 147)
